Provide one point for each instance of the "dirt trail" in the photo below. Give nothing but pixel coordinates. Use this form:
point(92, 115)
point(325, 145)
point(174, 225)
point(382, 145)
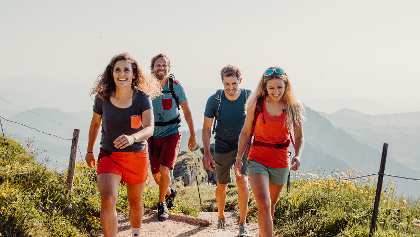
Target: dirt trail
point(183, 226)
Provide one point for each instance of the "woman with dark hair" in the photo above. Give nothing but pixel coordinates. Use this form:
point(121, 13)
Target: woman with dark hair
point(123, 105)
point(272, 111)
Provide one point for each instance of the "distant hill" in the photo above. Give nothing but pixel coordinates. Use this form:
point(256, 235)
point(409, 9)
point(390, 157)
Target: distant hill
point(367, 106)
point(320, 133)
point(34, 91)
point(48, 121)
point(401, 131)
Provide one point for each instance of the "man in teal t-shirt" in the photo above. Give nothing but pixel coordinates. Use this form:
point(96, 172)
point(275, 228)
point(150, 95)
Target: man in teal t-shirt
point(230, 120)
point(164, 145)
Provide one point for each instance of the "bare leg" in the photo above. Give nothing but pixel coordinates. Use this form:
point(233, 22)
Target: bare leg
point(274, 195)
point(135, 195)
point(243, 197)
point(157, 180)
point(164, 182)
point(221, 199)
point(260, 188)
point(108, 184)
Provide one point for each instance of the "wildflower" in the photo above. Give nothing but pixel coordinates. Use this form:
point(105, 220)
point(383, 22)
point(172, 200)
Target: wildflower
point(352, 187)
point(361, 191)
point(403, 208)
point(404, 202)
point(370, 197)
point(392, 188)
point(3, 194)
point(3, 208)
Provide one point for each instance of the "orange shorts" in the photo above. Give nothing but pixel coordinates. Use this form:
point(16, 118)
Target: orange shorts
point(132, 167)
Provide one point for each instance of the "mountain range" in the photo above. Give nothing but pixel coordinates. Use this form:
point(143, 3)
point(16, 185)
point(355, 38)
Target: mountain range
point(342, 140)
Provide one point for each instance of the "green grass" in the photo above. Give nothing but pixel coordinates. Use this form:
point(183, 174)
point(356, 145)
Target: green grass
point(319, 205)
point(34, 201)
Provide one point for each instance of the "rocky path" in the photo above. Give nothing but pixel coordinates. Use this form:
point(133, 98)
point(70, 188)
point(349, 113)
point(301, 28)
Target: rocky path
point(183, 226)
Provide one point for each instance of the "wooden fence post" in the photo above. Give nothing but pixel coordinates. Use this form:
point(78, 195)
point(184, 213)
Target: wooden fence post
point(72, 161)
point(378, 189)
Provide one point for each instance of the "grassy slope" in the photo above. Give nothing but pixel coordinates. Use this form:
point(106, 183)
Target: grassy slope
point(34, 201)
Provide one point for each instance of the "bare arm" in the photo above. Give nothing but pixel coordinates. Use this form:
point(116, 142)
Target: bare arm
point(124, 141)
point(188, 118)
point(299, 144)
point(244, 137)
point(208, 158)
point(95, 124)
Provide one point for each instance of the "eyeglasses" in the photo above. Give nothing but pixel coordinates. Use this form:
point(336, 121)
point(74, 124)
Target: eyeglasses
point(270, 72)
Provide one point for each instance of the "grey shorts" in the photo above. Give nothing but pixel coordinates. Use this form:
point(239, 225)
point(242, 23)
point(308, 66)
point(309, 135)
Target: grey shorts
point(223, 164)
point(277, 176)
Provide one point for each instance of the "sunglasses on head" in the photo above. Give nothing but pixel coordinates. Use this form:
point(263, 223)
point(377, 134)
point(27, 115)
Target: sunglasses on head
point(270, 72)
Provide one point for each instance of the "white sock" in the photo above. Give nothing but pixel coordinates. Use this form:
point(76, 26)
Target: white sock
point(135, 231)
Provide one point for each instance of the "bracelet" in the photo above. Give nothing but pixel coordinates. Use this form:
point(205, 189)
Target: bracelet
point(89, 152)
point(238, 158)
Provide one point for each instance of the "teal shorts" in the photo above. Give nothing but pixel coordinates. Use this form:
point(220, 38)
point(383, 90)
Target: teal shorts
point(277, 176)
point(223, 164)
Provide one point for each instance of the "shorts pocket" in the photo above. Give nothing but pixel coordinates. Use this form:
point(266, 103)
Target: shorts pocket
point(248, 163)
point(167, 103)
point(135, 121)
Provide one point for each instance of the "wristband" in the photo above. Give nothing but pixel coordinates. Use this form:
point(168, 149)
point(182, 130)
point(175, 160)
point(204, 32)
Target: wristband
point(89, 152)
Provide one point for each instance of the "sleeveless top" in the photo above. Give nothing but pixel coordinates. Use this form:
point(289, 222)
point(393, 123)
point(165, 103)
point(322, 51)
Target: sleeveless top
point(271, 130)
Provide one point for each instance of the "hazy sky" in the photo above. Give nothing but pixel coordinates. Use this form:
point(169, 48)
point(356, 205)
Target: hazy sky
point(342, 49)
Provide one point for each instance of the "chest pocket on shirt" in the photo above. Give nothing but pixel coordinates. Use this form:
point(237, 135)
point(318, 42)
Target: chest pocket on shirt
point(167, 103)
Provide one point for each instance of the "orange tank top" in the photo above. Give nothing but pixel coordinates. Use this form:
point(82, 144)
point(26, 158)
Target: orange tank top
point(271, 129)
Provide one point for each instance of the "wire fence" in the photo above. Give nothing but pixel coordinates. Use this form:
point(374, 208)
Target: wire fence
point(91, 182)
point(46, 133)
point(34, 112)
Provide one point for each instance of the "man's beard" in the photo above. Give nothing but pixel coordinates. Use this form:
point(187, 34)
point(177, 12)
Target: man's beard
point(160, 76)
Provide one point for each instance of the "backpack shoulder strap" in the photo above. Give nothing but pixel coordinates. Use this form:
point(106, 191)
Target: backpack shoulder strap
point(247, 94)
point(259, 108)
point(171, 89)
point(217, 102)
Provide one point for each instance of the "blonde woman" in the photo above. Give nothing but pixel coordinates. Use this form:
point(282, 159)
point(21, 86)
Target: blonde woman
point(124, 108)
point(272, 111)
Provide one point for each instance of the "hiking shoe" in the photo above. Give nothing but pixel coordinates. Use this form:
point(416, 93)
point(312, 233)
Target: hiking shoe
point(221, 224)
point(162, 212)
point(243, 230)
point(171, 198)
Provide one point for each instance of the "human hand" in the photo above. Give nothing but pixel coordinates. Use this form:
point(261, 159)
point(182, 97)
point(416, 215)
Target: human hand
point(295, 163)
point(192, 142)
point(90, 159)
point(209, 162)
point(238, 167)
point(123, 141)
